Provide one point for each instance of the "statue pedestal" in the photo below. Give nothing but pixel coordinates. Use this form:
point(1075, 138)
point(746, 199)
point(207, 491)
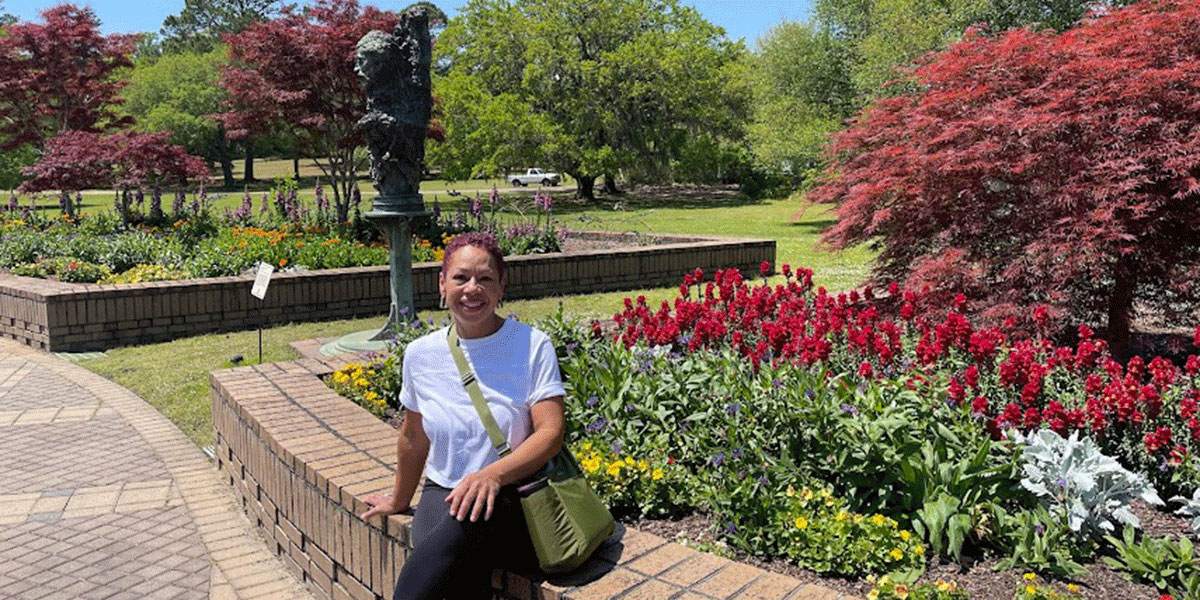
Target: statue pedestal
point(393, 216)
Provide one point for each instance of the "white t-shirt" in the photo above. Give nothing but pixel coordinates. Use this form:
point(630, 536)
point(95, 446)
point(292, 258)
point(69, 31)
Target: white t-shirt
point(516, 367)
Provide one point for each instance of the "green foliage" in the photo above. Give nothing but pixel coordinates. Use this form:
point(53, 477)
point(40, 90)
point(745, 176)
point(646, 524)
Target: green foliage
point(639, 486)
point(1190, 508)
point(587, 88)
point(822, 534)
point(1078, 482)
point(63, 268)
point(802, 93)
point(143, 273)
point(1169, 565)
point(198, 27)
point(1038, 540)
point(178, 93)
point(12, 162)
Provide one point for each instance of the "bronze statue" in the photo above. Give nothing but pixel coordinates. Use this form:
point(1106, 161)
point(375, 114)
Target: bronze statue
point(395, 77)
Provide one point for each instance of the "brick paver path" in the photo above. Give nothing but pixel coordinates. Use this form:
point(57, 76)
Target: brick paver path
point(102, 497)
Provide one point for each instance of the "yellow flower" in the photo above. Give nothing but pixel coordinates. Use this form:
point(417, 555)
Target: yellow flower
point(896, 554)
point(360, 382)
point(858, 518)
point(592, 465)
point(370, 395)
point(657, 474)
point(825, 493)
point(919, 550)
point(806, 495)
point(1074, 589)
point(341, 377)
point(791, 491)
point(878, 519)
point(643, 465)
point(629, 461)
point(901, 591)
point(801, 523)
point(842, 516)
point(614, 469)
point(1031, 589)
point(872, 595)
point(1029, 576)
point(905, 535)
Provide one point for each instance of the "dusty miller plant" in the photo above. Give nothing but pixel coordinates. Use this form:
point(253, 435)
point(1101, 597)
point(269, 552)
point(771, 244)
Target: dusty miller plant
point(1075, 479)
point(1190, 508)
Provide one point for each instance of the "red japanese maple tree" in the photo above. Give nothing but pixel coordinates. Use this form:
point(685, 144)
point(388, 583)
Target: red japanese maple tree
point(1039, 168)
point(299, 69)
point(58, 76)
point(76, 160)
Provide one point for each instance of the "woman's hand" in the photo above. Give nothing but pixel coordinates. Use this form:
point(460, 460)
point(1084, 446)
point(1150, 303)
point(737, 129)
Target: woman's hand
point(381, 504)
point(474, 495)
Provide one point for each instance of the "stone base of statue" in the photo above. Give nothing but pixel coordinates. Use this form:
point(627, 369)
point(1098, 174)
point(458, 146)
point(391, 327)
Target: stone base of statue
point(393, 216)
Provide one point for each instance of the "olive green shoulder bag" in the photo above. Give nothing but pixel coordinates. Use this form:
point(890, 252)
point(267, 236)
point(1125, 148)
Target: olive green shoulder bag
point(567, 520)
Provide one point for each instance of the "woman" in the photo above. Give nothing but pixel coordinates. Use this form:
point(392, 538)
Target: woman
point(469, 518)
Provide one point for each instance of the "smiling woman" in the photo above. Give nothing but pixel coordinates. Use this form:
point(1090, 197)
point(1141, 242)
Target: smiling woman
point(469, 518)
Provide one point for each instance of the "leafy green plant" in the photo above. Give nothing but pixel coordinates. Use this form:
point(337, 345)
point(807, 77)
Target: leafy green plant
point(645, 486)
point(1167, 564)
point(1041, 541)
point(1073, 478)
point(1190, 508)
point(142, 273)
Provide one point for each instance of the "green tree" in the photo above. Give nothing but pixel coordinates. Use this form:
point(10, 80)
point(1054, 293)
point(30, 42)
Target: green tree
point(178, 93)
point(199, 26)
point(802, 93)
point(593, 88)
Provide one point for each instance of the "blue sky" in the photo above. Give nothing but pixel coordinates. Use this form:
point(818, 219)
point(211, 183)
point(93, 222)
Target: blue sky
point(741, 18)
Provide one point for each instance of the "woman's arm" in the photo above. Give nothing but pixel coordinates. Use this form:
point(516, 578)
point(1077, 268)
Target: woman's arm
point(412, 447)
point(476, 494)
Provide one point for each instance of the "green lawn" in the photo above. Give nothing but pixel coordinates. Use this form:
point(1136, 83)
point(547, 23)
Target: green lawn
point(179, 387)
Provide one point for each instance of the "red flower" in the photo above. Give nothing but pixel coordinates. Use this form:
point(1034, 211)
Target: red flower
point(864, 370)
point(787, 270)
point(764, 269)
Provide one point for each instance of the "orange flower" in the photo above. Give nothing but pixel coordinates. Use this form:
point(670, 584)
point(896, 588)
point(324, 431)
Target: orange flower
point(283, 262)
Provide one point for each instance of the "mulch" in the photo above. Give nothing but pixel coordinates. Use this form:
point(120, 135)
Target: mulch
point(981, 579)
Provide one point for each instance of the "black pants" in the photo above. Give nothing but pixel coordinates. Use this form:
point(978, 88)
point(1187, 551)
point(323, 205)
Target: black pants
point(454, 560)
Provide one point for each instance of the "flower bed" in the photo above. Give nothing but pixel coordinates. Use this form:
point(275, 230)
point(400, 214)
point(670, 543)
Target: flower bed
point(195, 242)
point(813, 427)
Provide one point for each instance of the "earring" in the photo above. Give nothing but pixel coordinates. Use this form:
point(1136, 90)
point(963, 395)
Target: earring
point(442, 301)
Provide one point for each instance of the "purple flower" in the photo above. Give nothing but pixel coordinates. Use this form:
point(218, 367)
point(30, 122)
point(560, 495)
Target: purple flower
point(616, 447)
point(763, 481)
point(732, 409)
point(592, 401)
point(850, 409)
point(477, 206)
point(731, 529)
point(597, 425)
point(810, 394)
point(717, 460)
point(776, 383)
point(736, 454)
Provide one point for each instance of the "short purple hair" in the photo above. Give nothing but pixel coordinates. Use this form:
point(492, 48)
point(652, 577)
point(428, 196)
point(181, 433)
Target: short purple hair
point(483, 241)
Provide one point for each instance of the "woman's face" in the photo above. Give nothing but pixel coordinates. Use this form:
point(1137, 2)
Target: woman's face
point(472, 286)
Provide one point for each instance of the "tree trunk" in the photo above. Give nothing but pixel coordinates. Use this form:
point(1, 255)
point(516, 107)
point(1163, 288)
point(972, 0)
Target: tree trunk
point(248, 174)
point(296, 168)
point(224, 158)
point(1120, 309)
point(610, 184)
point(585, 186)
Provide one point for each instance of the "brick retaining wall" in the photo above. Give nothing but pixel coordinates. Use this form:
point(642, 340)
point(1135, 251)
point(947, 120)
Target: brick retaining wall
point(56, 316)
point(301, 459)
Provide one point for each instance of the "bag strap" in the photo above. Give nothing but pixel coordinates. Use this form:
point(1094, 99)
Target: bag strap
point(469, 381)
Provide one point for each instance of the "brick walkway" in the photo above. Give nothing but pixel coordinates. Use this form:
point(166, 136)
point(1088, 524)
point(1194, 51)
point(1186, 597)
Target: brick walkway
point(102, 497)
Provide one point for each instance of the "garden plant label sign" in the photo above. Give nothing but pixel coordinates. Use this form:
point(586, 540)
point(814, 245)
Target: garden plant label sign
point(262, 280)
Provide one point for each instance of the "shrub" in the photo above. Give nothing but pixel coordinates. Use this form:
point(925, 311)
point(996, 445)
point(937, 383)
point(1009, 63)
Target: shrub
point(143, 273)
point(648, 486)
point(1171, 566)
point(1080, 483)
point(887, 589)
point(978, 182)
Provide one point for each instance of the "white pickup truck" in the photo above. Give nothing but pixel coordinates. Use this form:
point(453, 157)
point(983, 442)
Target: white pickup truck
point(534, 175)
